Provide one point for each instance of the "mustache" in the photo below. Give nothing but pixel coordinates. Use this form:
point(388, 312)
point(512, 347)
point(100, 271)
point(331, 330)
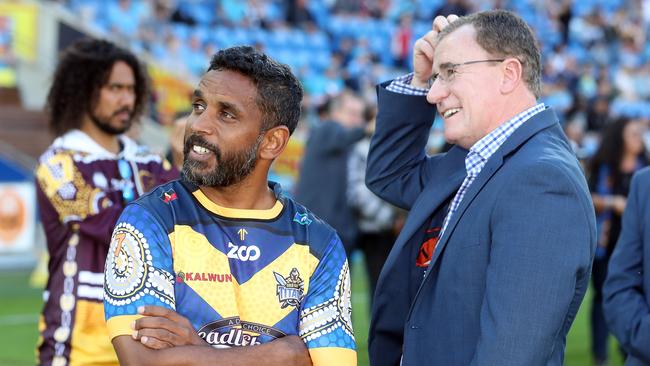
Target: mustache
point(122, 110)
point(196, 139)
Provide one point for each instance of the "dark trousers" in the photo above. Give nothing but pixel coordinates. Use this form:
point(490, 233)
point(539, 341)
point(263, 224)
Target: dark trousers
point(599, 331)
point(375, 248)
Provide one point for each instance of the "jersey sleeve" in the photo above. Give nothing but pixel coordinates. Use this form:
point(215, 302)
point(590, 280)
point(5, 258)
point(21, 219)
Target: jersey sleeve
point(326, 313)
point(68, 197)
point(138, 269)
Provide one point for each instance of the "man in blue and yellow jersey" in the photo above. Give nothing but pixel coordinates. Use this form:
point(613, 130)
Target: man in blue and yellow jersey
point(226, 250)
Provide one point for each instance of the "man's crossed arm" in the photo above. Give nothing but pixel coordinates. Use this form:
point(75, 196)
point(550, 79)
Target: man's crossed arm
point(163, 337)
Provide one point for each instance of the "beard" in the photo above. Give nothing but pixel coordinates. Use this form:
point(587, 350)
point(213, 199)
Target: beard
point(229, 169)
point(104, 124)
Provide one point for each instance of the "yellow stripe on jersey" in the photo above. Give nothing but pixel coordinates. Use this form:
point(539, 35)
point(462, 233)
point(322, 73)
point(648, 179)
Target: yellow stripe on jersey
point(257, 303)
point(121, 325)
point(327, 356)
point(90, 342)
point(193, 252)
point(255, 300)
point(271, 213)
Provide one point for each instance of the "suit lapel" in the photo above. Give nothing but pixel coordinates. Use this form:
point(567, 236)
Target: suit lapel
point(486, 173)
point(528, 129)
point(430, 199)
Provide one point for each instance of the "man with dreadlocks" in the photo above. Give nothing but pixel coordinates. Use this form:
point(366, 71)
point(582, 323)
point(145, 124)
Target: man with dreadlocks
point(85, 179)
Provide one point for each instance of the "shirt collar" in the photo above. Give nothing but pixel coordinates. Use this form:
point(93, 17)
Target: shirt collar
point(78, 140)
point(484, 148)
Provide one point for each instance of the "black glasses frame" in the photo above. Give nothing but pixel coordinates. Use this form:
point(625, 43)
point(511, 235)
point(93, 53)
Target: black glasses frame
point(453, 67)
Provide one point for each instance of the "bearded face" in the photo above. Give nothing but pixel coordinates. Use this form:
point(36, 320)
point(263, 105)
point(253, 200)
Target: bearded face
point(204, 164)
point(113, 112)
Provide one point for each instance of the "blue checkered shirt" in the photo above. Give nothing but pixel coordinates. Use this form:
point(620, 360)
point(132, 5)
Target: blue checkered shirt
point(481, 151)
point(402, 85)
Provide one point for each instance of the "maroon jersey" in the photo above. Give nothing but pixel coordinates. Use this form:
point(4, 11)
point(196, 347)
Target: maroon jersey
point(82, 189)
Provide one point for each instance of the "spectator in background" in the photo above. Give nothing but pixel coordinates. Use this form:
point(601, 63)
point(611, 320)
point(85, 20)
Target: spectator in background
point(598, 113)
point(297, 13)
point(620, 155)
point(176, 138)
point(376, 217)
point(84, 180)
point(401, 43)
point(322, 184)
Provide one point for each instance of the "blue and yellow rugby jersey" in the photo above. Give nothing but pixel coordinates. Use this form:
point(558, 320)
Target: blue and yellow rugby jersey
point(242, 277)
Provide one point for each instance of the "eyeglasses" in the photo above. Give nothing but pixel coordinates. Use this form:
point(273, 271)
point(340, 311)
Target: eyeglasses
point(128, 193)
point(448, 71)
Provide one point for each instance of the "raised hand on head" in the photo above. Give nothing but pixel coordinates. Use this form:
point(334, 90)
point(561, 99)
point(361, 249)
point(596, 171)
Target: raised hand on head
point(424, 49)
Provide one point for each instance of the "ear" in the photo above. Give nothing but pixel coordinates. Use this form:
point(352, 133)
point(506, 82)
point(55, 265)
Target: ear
point(513, 72)
point(275, 140)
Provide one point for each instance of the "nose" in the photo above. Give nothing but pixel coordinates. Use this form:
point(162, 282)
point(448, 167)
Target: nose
point(437, 92)
point(127, 98)
point(200, 123)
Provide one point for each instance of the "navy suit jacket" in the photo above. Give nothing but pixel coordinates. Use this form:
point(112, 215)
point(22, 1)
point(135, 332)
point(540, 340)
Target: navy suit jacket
point(513, 265)
point(627, 288)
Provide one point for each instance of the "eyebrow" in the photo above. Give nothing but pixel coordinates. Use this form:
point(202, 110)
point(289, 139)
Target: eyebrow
point(121, 85)
point(198, 94)
point(446, 65)
point(230, 106)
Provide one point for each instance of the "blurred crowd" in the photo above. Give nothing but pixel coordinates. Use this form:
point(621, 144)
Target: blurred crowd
point(594, 51)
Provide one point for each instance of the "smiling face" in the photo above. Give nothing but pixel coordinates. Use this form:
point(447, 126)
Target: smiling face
point(223, 132)
point(467, 100)
point(113, 112)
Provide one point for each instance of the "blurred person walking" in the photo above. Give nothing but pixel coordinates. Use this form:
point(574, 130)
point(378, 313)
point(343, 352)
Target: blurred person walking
point(377, 218)
point(621, 153)
point(323, 181)
point(85, 179)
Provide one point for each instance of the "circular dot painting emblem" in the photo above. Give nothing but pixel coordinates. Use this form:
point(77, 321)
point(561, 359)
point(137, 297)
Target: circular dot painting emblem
point(126, 265)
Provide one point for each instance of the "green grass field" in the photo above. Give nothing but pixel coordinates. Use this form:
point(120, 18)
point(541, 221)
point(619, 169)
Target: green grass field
point(20, 305)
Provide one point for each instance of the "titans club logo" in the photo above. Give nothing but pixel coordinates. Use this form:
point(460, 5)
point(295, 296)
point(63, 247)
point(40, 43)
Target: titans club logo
point(290, 289)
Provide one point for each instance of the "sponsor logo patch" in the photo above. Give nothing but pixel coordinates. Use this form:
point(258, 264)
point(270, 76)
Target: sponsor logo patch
point(233, 332)
point(302, 219)
point(243, 253)
point(202, 277)
point(168, 196)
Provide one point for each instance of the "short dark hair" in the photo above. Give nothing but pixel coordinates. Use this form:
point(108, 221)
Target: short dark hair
point(84, 67)
point(504, 34)
point(279, 93)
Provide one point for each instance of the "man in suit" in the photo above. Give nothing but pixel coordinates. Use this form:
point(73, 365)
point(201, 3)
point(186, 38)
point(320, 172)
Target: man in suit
point(494, 258)
point(627, 288)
